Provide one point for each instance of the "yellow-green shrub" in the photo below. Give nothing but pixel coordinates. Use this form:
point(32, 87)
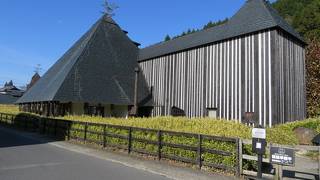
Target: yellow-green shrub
point(11, 109)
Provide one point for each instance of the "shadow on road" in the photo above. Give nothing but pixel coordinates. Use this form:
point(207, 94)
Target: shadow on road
point(7, 139)
point(51, 128)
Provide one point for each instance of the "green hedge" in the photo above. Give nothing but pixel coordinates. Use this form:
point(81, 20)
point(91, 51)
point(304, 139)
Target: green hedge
point(281, 134)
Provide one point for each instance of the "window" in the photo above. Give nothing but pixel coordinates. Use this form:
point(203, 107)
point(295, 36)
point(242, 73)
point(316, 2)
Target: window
point(212, 112)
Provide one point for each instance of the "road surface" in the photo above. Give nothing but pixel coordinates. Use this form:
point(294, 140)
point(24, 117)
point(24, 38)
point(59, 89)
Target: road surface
point(23, 158)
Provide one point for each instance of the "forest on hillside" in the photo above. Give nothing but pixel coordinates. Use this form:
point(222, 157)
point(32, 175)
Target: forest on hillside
point(304, 16)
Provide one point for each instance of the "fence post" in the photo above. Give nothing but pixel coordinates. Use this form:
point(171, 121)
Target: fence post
point(319, 162)
point(199, 151)
point(277, 174)
point(85, 132)
point(55, 127)
point(12, 122)
point(33, 125)
point(239, 157)
point(104, 135)
point(25, 124)
point(159, 134)
point(44, 126)
point(39, 126)
point(280, 172)
point(68, 129)
point(129, 139)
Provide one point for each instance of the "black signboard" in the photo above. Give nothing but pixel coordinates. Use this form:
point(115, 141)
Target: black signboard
point(282, 156)
point(259, 145)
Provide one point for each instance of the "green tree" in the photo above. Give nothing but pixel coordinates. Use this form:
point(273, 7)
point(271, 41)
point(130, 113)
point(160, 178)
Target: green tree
point(210, 24)
point(313, 77)
point(304, 16)
point(307, 20)
point(167, 38)
point(213, 24)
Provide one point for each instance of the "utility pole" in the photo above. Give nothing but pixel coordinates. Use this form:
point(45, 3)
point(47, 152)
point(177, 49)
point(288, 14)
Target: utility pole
point(135, 108)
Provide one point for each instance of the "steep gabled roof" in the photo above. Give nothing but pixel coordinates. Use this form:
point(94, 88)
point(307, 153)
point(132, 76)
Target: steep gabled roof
point(98, 68)
point(255, 15)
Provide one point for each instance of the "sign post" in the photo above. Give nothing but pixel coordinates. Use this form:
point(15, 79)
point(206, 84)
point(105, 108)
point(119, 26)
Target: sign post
point(259, 146)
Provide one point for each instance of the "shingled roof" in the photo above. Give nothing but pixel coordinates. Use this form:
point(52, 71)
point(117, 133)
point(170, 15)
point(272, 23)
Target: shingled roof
point(254, 16)
point(98, 68)
point(8, 99)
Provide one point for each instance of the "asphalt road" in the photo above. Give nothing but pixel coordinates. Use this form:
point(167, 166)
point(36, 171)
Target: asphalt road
point(28, 159)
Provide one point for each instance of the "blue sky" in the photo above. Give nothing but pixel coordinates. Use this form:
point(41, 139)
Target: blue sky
point(39, 31)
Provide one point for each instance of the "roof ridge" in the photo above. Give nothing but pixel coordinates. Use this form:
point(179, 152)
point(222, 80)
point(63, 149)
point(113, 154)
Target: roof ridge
point(203, 30)
point(281, 22)
point(268, 8)
point(74, 46)
point(185, 36)
point(109, 20)
point(93, 31)
point(122, 91)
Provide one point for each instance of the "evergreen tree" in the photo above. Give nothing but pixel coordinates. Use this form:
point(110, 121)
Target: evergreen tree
point(304, 16)
point(307, 20)
point(167, 38)
point(208, 25)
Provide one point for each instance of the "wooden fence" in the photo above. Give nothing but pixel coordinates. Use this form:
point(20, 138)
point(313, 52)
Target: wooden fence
point(201, 150)
point(278, 170)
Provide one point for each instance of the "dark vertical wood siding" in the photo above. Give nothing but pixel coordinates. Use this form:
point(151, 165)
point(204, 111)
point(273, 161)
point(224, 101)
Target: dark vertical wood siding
point(289, 79)
point(235, 76)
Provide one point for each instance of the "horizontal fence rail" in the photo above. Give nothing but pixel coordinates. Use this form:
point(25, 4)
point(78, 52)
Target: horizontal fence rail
point(197, 149)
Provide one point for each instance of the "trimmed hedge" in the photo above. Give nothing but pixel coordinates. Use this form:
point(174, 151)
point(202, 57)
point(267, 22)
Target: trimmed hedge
point(10, 109)
point(281, 134)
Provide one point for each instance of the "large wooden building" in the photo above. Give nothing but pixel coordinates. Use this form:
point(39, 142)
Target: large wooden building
point(96, 76)
point(253, 64)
